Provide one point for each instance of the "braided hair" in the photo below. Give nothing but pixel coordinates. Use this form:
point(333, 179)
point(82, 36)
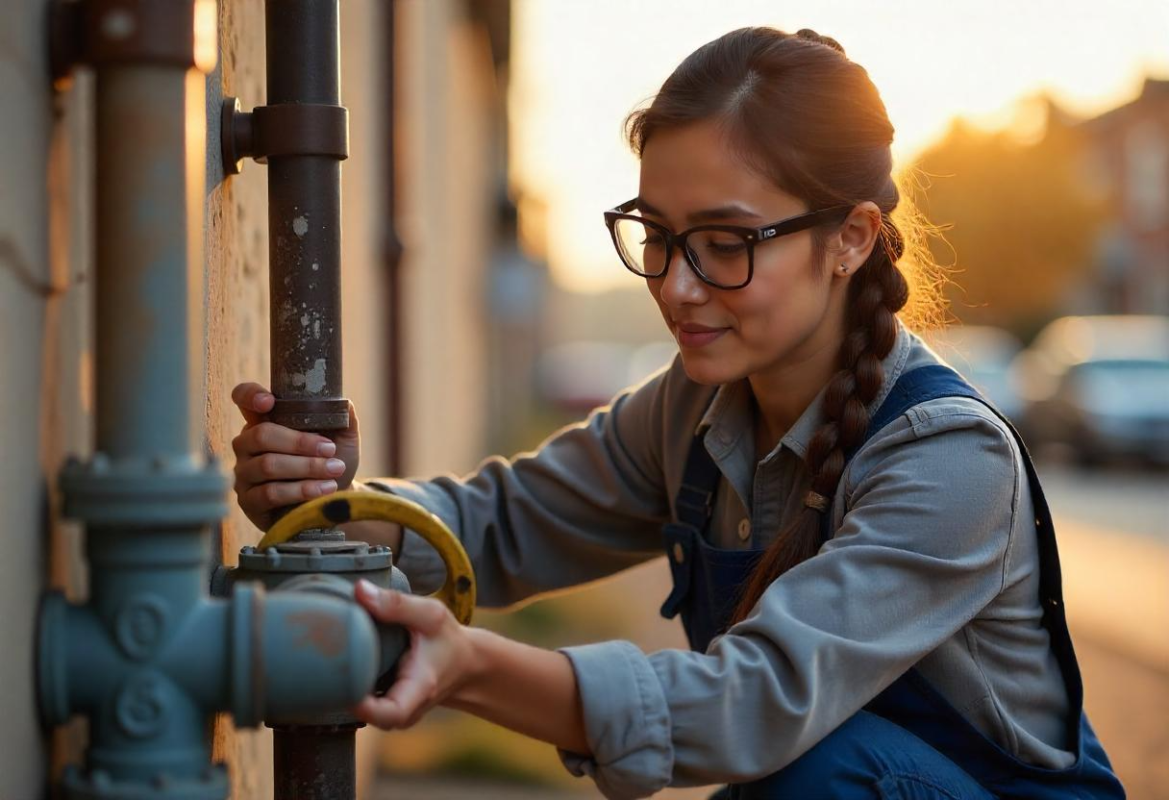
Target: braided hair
point(799, 112)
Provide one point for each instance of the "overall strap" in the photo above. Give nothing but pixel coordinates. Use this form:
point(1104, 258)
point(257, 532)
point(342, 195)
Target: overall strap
point(694, 504)
point(936, 381)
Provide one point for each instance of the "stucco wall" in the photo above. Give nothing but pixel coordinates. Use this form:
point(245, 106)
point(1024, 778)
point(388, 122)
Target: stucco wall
point(45, 381)
point(46, 374)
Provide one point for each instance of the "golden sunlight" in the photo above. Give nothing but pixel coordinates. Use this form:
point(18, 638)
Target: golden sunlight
point(580, 67)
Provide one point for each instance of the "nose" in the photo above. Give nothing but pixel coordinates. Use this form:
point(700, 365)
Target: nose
point(680, 285)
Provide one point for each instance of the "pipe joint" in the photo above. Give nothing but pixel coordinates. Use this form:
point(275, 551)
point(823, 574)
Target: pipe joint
point(143, 492)
point(179, 33)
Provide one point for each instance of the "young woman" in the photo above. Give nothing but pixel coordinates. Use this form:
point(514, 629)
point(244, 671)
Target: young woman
point(862, 556)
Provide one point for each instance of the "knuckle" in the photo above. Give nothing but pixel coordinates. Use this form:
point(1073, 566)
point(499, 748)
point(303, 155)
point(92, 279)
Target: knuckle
point(271, 494)
point(434, 614)
point(268, 465)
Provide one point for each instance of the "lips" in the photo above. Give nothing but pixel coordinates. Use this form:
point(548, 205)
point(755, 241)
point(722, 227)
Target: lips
point(690, 327)
point(693, 335)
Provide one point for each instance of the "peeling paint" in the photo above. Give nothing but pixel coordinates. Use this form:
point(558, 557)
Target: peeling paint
point(300, 226)
point(316, 329)
point(304, 320)
point(315, 379)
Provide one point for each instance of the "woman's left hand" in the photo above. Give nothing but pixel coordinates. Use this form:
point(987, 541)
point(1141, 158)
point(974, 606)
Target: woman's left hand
point(434, 667)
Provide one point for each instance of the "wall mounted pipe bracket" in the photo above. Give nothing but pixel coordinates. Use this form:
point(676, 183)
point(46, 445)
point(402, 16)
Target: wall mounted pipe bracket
point(106, 32)
point(301, 129)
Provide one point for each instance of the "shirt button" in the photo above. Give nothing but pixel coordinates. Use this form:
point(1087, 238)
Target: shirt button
point(744, 529)
point(679, 555)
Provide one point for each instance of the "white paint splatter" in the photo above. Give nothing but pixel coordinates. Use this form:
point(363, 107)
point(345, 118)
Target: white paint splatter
point(300, 226)
point(315, 379)
point(304, 320)
point(316, 329)
point(316, 266)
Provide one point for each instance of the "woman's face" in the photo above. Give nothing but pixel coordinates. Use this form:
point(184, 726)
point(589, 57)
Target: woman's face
point(784, 313)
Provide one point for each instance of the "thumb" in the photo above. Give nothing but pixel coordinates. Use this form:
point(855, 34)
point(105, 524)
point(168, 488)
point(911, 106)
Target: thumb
point(423, 614)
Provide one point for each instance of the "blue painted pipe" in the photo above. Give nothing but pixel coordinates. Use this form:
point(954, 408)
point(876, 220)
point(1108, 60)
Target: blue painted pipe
point(150, 657)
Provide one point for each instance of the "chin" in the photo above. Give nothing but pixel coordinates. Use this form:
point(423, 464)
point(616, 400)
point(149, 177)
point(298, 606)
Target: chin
point(709, 371)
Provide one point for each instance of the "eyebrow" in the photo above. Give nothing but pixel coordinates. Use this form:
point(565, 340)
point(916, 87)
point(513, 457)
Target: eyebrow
point(724, 212)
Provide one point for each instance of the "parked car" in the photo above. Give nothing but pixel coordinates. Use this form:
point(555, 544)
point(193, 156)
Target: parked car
point(1099, 386)
point(983, 354)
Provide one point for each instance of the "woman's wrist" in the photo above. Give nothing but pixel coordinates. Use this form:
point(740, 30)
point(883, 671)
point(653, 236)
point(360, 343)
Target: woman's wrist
point(475, 666)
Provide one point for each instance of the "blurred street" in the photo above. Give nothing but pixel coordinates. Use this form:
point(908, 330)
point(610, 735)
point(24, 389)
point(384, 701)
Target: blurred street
point(1114, 547)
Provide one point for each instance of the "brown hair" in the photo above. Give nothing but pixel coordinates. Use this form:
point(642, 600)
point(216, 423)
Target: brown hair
point(798, 111)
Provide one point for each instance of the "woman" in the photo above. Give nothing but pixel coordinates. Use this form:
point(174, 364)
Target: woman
point(862, 557)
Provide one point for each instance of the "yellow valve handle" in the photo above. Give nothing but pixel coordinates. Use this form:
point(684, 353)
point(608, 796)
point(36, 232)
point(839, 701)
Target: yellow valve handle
point(457, 593)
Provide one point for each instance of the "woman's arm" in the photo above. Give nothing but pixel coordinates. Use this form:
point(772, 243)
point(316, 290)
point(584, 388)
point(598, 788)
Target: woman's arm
point(587, 503)
point(524, 688)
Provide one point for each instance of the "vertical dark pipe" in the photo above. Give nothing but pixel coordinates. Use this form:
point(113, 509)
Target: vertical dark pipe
point(312, 762)
point(392, 252)
point(315, 763)
point(304, 224)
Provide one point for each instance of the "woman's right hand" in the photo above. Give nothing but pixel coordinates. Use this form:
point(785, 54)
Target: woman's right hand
point(277, 467)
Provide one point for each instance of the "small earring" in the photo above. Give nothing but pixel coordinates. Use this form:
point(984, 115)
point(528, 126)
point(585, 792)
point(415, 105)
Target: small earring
point(844, 269)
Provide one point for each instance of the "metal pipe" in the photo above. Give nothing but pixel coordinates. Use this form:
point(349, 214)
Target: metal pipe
point(304, 223)
point(149, 658)
point(315, 762)
point(392, 253)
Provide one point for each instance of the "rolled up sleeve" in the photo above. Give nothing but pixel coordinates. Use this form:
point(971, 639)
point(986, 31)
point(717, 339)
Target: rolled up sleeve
point(627, 721)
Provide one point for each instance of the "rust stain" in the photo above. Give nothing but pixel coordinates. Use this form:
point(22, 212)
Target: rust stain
point(320, 631)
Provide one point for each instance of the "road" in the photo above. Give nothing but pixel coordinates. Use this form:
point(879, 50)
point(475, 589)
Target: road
point(1113, 532)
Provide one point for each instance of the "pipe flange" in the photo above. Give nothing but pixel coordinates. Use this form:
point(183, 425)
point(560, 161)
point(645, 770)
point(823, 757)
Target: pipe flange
point(319, 557)
point(97, 784)
point(178, 492)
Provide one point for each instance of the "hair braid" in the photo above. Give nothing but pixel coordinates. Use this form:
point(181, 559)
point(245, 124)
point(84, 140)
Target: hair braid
point(877, 292)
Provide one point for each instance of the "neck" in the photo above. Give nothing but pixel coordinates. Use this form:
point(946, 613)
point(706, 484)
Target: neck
point(785, 390)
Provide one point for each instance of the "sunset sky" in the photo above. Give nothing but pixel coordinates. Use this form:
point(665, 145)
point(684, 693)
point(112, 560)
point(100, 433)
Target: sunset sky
point(579, 66)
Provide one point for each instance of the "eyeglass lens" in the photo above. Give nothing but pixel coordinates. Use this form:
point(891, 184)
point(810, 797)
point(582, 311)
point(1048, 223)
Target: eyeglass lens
point(723, 257)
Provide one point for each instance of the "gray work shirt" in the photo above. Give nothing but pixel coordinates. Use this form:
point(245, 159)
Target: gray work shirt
point(933, 563)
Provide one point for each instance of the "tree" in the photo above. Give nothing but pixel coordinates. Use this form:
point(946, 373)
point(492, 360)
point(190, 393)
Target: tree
point(1020, 219)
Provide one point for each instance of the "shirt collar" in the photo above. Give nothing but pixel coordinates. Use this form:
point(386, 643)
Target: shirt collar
point(728, 417)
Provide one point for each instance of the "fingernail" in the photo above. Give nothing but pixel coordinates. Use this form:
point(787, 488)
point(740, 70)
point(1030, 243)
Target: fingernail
point(334, 466)
point(327, 487)
point(327, 449)
point(367, 589)
point(260, 397)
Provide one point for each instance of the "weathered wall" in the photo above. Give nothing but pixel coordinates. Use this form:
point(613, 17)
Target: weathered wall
point(46, 236)
point(446, 167)
point(44, 361)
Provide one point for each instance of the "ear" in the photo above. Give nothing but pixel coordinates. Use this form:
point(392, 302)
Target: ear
point(854, 242)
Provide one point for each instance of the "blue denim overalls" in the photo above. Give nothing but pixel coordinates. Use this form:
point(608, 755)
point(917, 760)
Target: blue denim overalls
point(856, 760)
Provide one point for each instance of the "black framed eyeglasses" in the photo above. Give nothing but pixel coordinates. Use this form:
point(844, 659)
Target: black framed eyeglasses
point(722, 256)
